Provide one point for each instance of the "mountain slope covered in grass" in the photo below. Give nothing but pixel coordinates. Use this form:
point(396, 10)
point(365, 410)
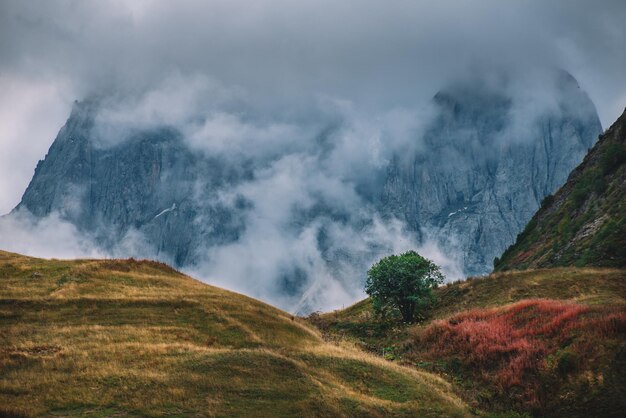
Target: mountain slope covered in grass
point(547, 342)
point(136, 338)
point(584, 223)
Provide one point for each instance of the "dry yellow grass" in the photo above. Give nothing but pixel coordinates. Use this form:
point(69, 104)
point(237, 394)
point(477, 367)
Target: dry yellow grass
point(128, 338)
point(584, 285)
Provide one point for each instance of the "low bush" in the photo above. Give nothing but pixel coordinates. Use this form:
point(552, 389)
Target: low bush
point(509, 347)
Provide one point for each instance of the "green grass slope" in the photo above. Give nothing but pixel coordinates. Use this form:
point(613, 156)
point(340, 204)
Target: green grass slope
point(584, 223)
point(136, 338)
point(483, 328)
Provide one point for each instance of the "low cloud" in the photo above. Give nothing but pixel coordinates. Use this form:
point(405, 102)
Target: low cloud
point(309, 237)
point(311, 224)
point(49, 237)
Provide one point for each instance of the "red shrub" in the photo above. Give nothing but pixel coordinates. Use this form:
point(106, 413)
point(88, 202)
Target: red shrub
point(610, 325)
point(509, 345)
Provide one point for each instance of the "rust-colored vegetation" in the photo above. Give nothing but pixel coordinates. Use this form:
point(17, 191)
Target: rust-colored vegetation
point(519, 347)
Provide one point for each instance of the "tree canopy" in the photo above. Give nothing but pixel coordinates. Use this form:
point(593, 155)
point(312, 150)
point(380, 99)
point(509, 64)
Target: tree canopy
point(402, 282)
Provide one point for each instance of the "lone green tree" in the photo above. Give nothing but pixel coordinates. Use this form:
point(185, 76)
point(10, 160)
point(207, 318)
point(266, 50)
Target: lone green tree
point(403, 282)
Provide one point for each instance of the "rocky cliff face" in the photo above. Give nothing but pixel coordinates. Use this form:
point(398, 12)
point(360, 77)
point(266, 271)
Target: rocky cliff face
point(150, 187)
point(482, 174)
point(479, 173)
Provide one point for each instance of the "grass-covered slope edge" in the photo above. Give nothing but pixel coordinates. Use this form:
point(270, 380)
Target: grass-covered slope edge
point(584, 222)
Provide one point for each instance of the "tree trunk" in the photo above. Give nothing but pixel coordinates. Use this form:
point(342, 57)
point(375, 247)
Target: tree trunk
point(407, 309)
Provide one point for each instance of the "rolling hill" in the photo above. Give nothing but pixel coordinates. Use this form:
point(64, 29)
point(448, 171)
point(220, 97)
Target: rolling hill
point(137, 338)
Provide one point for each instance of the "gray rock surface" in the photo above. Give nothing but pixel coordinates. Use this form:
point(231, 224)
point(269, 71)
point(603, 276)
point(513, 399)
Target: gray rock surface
point(479, 179)
point(151, 183)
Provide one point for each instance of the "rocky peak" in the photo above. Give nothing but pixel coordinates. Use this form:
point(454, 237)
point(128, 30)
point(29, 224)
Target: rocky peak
point(478, 180)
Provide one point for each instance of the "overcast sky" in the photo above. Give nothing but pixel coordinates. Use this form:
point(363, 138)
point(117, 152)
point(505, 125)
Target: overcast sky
point(282, 55)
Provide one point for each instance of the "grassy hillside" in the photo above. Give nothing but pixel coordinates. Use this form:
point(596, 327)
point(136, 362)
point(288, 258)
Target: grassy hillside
point(584, 223)
point(130, 338)
point(540, 341)
point(591, 286)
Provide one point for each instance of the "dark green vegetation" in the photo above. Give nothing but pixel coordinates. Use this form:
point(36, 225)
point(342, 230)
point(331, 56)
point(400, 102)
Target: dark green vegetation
point(584, 223)
point(504, 350)
point(130, 338)
point(402, 283)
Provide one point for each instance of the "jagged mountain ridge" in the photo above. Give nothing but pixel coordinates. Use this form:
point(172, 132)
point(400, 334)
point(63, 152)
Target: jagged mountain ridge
point(131, 186)
point(469, 187)
point(584, 223)
point(478, 184)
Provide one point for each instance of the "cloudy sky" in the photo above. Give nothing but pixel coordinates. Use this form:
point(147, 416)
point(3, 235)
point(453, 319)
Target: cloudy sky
point(283, 54)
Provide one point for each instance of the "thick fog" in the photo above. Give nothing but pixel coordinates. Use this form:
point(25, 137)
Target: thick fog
point(318, 95)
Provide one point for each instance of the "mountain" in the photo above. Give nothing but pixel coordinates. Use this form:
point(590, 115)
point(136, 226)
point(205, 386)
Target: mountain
point(137, 338)
point(470, 183)
point(482, 174)
point(584, 222)
point(148, 183)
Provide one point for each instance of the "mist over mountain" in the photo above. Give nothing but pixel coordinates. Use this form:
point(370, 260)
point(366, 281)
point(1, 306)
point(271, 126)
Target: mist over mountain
point(294, 210)
point(489, 159)
point(277, 148)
